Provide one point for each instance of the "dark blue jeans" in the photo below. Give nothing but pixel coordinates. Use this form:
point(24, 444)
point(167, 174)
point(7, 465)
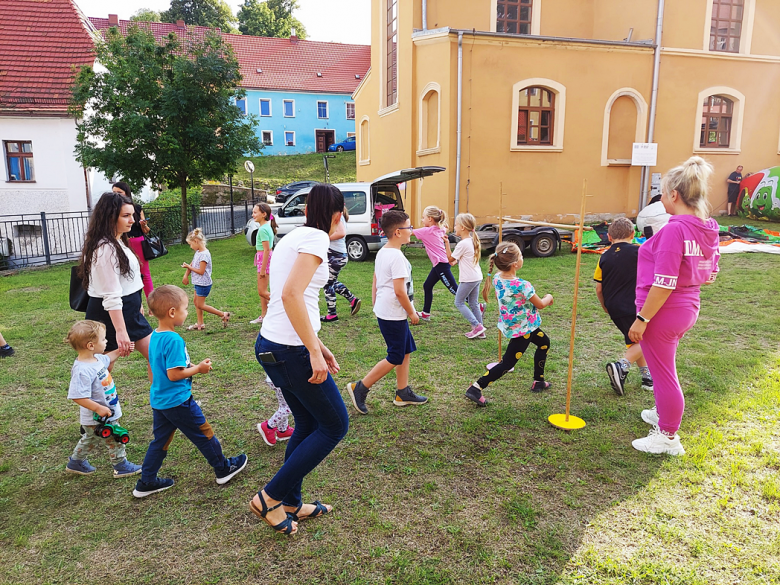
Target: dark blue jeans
point(189, 419)
point(321, 419)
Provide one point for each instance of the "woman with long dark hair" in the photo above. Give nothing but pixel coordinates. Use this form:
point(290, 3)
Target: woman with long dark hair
point(111, 275)
point(136, 236)
point(297, 362)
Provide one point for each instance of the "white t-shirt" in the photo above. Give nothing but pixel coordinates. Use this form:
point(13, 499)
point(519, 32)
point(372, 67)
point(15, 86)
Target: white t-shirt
point(464, 254)
point(301, 240)
point(205, 278)
point(391, 264)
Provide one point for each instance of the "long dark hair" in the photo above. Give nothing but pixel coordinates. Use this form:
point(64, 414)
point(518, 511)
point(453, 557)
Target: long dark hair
point(323, 201)
point(101, 230)
point(125, 187)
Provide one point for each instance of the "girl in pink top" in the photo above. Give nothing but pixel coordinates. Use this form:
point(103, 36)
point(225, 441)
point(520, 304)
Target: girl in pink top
point(672, 266)
point(432, 235)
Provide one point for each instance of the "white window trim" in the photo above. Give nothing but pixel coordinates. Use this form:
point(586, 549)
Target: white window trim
point(361, 138)
point(352, 134)
point(286, 132)
point(270, 108)
point(536, 16)
point(641, 124)
point(432, 87)
point(558, 120)
point(746, 34)
point(327, 110)
point(293, 108)
point(346, 110)
point(737, 116)
point(384, 109)
point(271, 132)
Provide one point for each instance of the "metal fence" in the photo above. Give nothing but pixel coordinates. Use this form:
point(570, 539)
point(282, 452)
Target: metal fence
point(49, 238)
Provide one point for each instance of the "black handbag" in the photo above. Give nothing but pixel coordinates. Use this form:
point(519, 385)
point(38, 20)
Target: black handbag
point(153, 247)
point(78, 297)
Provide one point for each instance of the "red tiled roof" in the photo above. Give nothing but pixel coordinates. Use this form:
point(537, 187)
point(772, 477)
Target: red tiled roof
point(42, 44)
point(285, 64)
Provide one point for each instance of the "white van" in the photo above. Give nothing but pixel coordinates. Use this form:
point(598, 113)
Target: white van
point(361, 200)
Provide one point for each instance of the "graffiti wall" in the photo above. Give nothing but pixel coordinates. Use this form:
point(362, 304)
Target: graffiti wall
point(758, 196)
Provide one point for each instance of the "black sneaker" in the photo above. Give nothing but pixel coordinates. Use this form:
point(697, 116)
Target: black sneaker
point(405, 397)
point(647, 382)
point(329, 318)
point(617, 376)
point(540, 386)
point(358, 393)
point(475, 395)
point(235, 464)
point(143, 489)
point(6, 351)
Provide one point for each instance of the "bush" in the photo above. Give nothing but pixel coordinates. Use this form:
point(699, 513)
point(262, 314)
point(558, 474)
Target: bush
point(171, 197)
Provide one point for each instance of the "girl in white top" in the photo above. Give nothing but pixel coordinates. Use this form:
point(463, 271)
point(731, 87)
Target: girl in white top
point(111, 275)
point(466, 255)
point(201, 279)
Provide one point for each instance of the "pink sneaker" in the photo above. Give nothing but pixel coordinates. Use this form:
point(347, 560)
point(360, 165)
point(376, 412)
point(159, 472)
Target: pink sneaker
point(476, 332)
point(424, 316)
point(268, 434)
point(284, 436)
point(482, 308)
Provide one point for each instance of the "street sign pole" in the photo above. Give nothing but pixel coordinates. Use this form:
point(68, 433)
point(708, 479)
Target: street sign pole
point(250, 168)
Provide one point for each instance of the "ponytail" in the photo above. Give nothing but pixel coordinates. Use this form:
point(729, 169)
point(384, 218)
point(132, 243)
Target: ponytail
point(690, 180)
point(437, 215)
point(488, 278)
point(469, 223)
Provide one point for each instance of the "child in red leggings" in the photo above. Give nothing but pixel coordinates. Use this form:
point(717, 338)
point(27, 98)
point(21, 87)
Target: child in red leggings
point(672, 266)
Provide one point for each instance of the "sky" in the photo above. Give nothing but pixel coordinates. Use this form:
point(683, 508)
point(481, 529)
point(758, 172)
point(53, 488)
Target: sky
point(340, 21)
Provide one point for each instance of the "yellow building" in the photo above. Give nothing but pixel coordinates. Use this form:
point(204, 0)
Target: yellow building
point(547, 93)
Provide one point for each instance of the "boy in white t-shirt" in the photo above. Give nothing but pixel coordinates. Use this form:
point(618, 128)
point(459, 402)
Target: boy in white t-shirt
point(393, 294)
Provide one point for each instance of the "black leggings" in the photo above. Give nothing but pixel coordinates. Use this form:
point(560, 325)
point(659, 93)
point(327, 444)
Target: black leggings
point(514, 351)
point(443, 272)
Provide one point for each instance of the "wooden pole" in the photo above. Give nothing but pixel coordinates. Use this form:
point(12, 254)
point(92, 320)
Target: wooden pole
point(576, 294)
point(563, 226)
point(500, 239)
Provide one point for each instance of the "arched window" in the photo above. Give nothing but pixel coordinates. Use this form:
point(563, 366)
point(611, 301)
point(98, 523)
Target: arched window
point(430, 120)
point(625, 122)
point(364, 142)
point(538, 107)
point(716, 115)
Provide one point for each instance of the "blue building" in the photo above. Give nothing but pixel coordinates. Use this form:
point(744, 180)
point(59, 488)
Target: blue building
point(301, 91)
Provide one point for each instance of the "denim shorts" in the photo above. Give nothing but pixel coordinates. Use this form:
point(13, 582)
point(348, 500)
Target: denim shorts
point(202, 291)
point(398, 338)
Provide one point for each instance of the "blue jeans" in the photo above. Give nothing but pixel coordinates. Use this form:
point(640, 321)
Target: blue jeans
point(321, 419)
point(189, 419)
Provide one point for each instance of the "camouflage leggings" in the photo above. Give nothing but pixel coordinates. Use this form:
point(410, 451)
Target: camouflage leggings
point(279, 419)
point(90, 441)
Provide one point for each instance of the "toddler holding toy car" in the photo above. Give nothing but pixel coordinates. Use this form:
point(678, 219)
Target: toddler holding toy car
point(93, 389)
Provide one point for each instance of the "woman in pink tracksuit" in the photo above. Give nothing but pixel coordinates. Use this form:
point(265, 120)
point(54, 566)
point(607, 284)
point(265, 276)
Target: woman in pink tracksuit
point(672, 266)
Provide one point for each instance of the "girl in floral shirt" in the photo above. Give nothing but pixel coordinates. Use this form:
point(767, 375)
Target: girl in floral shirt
point(519, 321)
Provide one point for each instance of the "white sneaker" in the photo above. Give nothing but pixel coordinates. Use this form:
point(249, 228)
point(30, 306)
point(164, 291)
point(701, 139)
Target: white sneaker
point(257, 321)
point(658, 443)
point(650, 416)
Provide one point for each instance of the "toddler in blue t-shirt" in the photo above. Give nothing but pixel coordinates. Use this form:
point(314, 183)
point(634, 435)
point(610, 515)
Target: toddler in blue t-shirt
point(173, 406)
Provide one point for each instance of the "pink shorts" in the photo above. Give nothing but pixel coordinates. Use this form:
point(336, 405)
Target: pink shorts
point(259, 261)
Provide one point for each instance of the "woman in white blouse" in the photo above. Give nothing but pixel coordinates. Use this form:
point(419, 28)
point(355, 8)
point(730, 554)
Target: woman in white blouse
point(111, 276)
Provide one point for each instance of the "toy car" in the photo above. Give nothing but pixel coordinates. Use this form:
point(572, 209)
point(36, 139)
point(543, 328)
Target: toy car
point(105, 429)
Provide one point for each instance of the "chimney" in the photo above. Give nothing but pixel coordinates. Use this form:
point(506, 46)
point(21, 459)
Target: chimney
point(293, 36)
point(113, 20)
point(180, 24)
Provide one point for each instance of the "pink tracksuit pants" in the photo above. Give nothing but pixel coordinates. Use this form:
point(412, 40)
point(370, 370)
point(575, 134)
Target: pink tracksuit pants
point(659, 346)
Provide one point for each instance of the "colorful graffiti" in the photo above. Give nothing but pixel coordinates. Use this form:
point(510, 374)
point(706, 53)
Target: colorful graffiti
point(759, 197)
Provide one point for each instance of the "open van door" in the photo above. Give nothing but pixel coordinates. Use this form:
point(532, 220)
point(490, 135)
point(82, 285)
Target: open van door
point(385, 188)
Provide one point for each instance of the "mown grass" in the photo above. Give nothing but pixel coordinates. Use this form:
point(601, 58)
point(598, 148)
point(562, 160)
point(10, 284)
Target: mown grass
point(273, 171)
point(443, 493)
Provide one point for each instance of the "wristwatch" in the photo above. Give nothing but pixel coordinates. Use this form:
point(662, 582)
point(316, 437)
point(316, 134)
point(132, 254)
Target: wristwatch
point(642, 319)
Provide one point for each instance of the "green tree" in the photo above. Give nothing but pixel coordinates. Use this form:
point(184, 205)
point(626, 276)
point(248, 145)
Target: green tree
point(162, 112)
point(210, 13)
point(270, 18)
point(146, 15)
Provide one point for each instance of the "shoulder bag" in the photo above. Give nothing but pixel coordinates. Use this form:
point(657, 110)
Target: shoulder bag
point(153, 247)
point(78, 297)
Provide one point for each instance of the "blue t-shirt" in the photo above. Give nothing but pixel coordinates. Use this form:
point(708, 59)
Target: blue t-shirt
point(167, 350)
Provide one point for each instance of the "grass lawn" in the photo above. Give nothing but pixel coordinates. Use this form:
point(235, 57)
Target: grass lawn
point(274, 171)
point(443, 493)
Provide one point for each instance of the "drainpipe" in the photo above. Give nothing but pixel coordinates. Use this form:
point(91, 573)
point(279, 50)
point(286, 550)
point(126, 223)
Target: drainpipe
point(425, 14)
point(460, 120)
point(659, 30)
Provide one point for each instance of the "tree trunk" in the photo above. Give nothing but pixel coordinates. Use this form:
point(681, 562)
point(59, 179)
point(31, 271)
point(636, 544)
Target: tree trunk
point(185, 224)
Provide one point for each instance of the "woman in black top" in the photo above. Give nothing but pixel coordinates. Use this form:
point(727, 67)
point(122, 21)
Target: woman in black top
point(136, 236)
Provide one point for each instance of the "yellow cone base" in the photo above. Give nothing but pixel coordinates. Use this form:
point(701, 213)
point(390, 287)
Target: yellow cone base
point(572, 424)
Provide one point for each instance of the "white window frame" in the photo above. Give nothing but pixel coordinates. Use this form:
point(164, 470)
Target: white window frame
point(271, 132)
point(346, 110)
point(327, 110)
point(270, 108)
point(432, 87)
point(286, 132)
point(737, 117)
point(284, 112)
point(352, 134)
point(745, 35)
point(641, 124)
point(536, 17)
point(361, 139)
point(559, 118)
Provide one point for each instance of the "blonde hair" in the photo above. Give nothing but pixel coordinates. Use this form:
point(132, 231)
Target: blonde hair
point(505, 255)
point(437, 215)
point(469, 223)
point(690, 181)
point(84, 332)
point(621, 229)
point(197, 235)
point(166, 297)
